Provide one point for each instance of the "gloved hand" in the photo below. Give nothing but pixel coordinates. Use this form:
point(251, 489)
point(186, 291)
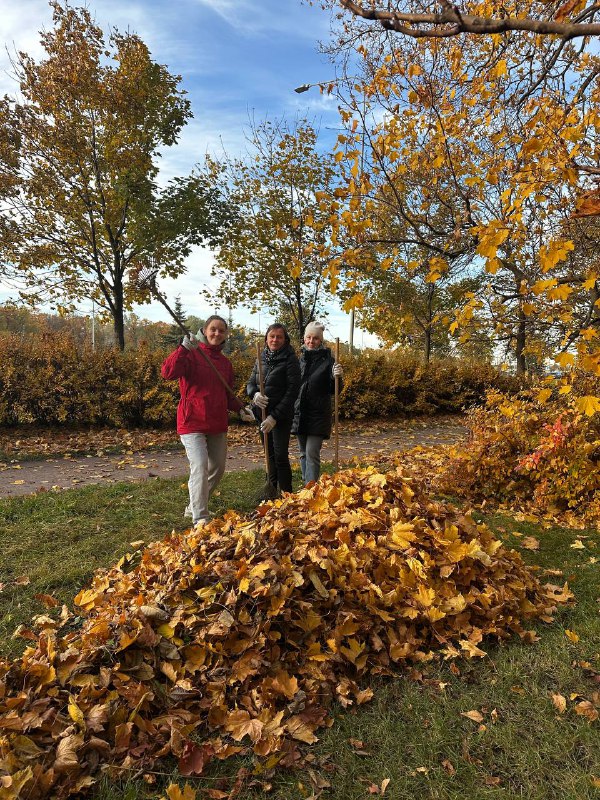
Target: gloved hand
point(268, 424)
point(338, 371)
point(246, 414)
point(260, 400)
point(190, 342)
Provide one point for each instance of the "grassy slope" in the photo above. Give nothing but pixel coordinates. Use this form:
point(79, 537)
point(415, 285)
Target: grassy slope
point(413, 732)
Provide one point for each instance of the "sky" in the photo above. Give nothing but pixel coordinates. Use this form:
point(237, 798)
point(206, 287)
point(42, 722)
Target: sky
point(238, 59)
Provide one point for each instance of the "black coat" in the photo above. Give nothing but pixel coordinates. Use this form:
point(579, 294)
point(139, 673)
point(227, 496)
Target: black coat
point(281, 376)
point(312, 413)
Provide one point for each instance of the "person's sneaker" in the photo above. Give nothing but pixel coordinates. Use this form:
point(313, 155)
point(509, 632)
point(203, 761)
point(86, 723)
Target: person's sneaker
point(188, 512)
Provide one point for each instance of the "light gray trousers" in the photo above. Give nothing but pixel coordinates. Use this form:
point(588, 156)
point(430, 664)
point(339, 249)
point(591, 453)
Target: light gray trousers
point(207, 454)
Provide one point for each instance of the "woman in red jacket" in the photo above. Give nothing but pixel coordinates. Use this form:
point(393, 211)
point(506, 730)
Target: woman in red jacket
point(202, 414)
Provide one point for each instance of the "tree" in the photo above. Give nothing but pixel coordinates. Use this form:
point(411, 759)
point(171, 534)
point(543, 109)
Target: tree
point(507, 131)
point(451, 21)
point(173, 336)
point(81, 208)
point(277, 251)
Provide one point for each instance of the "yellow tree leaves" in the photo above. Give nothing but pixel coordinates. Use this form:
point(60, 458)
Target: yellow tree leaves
point(269, 619)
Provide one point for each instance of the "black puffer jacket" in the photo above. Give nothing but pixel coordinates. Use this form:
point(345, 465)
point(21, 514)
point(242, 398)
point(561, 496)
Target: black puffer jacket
point(282, 381)
point(312, 413)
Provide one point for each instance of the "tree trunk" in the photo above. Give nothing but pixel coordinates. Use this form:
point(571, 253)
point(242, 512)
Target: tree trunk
point(118, 314)
point(427, 349)
point(520, 343)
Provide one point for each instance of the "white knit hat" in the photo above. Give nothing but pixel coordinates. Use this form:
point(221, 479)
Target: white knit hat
point(314, 329)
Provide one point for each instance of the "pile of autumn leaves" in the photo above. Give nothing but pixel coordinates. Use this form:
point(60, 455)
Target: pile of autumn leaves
point(242, 634)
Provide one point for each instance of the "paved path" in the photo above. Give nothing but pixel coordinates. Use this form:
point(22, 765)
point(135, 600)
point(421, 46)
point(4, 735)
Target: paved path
point(28, 477)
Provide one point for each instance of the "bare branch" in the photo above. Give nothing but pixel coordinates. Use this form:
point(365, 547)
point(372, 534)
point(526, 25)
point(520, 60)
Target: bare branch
point(451, 22)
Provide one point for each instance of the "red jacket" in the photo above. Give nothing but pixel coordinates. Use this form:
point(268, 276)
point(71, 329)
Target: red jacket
point(204, 401)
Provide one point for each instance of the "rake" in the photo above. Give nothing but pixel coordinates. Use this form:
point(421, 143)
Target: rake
point(269, 492)
point(146, 280)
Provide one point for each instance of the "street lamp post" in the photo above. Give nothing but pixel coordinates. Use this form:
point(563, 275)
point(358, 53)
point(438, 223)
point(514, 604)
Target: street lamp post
point(300, 90)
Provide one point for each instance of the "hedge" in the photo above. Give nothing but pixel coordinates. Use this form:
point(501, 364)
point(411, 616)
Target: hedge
point(54, 380)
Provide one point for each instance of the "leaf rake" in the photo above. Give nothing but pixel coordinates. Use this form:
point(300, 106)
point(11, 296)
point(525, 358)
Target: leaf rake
point(145, 280)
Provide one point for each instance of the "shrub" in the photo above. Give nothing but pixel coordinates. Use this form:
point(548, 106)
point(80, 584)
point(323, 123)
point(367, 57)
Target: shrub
point(541, 447)
point(52, 379)
point(379, 384)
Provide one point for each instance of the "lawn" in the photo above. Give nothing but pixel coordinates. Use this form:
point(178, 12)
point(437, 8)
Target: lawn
point(413, 739)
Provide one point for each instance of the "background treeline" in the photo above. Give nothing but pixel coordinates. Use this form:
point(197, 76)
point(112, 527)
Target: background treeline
point(55, 377)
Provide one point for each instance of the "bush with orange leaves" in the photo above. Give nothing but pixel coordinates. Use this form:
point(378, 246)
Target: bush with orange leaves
point(538, 450)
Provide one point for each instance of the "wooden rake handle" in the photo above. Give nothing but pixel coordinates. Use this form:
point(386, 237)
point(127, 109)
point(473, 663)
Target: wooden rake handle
point(185, 332)
point(336, 412)
point(261, 385)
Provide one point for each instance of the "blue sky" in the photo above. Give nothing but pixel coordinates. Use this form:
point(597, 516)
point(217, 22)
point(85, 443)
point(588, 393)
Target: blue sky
point(237, 59)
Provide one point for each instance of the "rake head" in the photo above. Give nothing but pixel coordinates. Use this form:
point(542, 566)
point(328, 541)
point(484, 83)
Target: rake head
point(146, 278)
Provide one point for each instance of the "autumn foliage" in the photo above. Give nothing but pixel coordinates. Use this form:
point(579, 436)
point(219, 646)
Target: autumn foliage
point(540, 449)
point(240, 635)
point(53, 379)
point(398, 383)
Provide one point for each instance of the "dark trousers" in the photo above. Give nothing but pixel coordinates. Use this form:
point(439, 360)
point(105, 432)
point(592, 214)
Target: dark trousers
point(280, 471)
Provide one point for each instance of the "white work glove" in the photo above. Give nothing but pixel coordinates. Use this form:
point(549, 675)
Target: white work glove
point(338, 371)
point(190, 342)
point(260, 400)
point(268, 424)
point(246, 414)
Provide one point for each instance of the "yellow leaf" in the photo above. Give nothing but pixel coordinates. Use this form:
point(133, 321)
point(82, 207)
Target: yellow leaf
point(554, 252)
point(174, 792)
point(357, 301)
point(166, 630)
point(76, 713)
point(401, 536)
point(543, 395)
point(588, 405)
point(542, 286)
point(572, 636)
point(565, 359)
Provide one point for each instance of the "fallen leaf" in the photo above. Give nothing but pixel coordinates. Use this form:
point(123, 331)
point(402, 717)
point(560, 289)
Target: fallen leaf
point(531, 543)
point(560, 703)
point(475, 716)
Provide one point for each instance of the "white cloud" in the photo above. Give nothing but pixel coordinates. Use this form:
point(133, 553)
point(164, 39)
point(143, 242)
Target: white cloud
point(271, 16)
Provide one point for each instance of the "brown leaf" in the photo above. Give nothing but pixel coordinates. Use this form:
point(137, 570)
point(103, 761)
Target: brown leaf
point(560, 703)
point(530, 543)
point(66, 754)
point(475, 716)
point(194, 758)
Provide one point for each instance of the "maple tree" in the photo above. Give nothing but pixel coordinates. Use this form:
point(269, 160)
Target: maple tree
point(78, 168)
point(277, 249)
point(505, 131)
point(239, 636)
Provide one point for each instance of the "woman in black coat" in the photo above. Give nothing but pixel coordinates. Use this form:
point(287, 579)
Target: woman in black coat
point(312, 417)
point(281, 373)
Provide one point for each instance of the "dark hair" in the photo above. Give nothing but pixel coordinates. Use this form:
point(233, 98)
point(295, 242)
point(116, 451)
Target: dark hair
point(211, 319)
point(280, 327)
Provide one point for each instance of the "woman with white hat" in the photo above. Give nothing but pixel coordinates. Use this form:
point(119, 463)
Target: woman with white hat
point(312, 412)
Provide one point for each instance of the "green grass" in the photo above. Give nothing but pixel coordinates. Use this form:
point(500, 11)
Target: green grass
point(413, 732)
